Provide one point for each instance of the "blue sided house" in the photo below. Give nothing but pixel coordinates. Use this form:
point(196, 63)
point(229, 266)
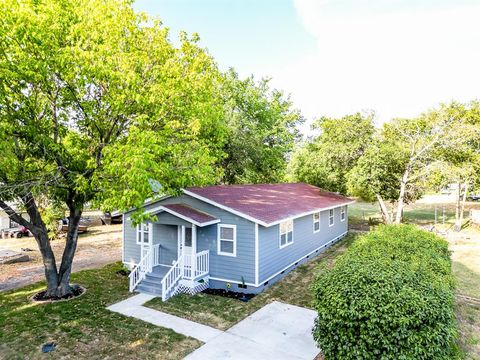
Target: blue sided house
point(242, 236)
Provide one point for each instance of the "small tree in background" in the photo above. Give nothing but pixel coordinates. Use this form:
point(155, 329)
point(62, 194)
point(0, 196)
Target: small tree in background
point(408, 150)
point(325, 160)
point(262, 128)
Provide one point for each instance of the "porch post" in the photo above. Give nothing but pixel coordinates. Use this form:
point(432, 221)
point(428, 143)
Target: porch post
point(194, 250)
point(182, 265)
point(150, 246)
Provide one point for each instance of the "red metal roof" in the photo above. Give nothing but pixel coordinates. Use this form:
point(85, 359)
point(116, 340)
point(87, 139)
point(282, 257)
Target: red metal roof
point(269, 203)
point(200, 217)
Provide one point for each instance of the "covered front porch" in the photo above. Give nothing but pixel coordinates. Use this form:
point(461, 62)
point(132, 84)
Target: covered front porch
point(171, 261)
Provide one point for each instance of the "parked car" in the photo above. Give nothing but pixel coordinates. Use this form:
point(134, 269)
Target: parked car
point(18, 232)
point(82, 227)
point(473, 197)
point(115, 217)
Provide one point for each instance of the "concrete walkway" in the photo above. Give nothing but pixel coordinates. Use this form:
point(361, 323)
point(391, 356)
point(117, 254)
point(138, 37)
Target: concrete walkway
point(133, 307)
point(276, 331)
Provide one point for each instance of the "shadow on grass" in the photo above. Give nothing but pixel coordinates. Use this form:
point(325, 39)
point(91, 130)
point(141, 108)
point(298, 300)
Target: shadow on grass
point(83, 327)
point(468, 281)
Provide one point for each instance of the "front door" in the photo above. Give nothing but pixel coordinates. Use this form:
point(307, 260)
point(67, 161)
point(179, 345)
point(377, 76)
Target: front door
point(145, 238)
point(185, 249)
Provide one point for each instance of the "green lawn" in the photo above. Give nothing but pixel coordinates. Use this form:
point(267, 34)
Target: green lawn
point(467, 311)
point(418, 213)
point(82, 327)
point(222, 313)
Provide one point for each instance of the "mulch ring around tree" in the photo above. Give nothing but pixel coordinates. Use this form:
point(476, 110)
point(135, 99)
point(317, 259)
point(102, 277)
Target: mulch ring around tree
point(77, 291)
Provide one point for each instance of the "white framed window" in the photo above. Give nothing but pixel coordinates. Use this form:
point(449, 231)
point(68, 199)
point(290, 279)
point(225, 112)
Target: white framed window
point(331, 219)
point(342, 213)
point(227, 240)
point(286, 233)
point(316, 222)
point(143, 233)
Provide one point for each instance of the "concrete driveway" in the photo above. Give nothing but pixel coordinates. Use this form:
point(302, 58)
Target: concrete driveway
point(276, 331)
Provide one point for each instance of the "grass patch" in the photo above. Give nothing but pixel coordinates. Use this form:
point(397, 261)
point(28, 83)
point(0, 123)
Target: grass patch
point(468, 320)
point(222, 313)
point(417, 213)
point(83, 327)
point(468, 281)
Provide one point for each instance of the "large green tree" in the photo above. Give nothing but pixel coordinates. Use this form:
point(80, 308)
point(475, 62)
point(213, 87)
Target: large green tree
point(325, 159)
point(262, 131)
point(95, 102)
point(405, 154)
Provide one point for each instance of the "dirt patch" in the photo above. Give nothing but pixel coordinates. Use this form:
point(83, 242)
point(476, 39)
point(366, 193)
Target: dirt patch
point(101, 245)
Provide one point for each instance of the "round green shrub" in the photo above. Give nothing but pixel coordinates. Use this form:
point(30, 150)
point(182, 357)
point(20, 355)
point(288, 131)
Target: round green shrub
point(390, 296)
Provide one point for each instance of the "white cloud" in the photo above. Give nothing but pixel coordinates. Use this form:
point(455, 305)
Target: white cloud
point(398, 63)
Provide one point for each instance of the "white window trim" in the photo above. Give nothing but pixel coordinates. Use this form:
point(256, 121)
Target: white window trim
point(343, 212)
point(141, 234)
point(331, 211)
point(280, 234)
point(313, 217)
point(234, 227)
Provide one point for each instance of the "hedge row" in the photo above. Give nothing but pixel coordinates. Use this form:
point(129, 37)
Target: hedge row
point(390, 296)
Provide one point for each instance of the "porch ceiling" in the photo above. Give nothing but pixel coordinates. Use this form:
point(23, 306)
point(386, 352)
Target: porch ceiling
point(188, 213)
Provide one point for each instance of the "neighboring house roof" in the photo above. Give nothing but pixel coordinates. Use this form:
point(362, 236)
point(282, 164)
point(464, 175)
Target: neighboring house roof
point(188, 213)
point(269, 204)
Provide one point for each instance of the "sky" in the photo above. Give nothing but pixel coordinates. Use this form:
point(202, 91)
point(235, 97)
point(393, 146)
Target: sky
point(337, 57)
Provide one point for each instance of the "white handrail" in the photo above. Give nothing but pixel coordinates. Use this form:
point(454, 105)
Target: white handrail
point(182, 269)
point(146, 264)
point(171, 278)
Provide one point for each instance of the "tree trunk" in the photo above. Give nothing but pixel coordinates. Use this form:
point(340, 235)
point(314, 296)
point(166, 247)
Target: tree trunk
point(401, 196)
point(58, 282)
point(384, 210)
point(69, 251)
point(460, 208)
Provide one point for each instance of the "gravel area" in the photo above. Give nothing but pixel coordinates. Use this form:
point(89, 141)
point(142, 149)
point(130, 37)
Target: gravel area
point(101, 245)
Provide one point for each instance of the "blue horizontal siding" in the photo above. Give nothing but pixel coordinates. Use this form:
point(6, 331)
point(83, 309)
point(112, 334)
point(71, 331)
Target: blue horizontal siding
point(224, 267)
point(273, 259)
point(131, 251)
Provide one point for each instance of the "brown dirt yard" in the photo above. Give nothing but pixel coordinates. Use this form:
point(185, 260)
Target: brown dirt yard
point(101, 245)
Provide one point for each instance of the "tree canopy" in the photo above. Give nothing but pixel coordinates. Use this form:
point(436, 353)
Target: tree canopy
point(262, 128)
point(325, 159)
point(406, 152)
point(94, 103)
point(98, 106)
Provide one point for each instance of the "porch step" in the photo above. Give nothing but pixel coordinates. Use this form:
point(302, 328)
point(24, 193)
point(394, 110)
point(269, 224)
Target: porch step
point(152, 282)
point(155, 276)
point(148, 289)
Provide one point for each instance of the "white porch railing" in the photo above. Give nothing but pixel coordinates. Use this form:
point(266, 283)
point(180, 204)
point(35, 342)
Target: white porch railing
point(171, 279)
point(203, 264)
point(145, 266)
point(182, 269)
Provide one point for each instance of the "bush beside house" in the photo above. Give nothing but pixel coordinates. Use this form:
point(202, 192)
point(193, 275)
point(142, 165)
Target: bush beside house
point(390, 296)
